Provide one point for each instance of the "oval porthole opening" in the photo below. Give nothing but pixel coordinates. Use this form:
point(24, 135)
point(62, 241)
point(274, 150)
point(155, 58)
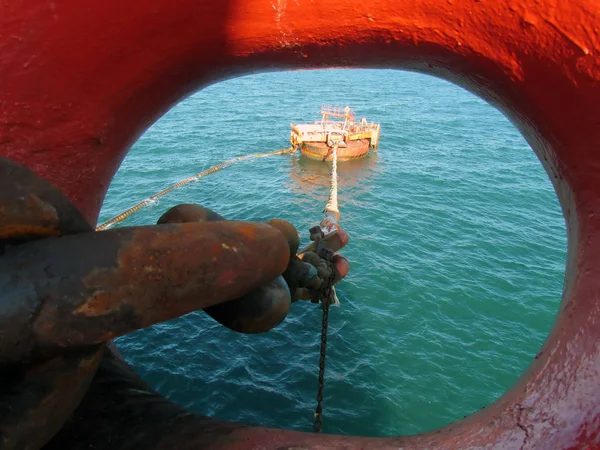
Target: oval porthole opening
point(458, 250)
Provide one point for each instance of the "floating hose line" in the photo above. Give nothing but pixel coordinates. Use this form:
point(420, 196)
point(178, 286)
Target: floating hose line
point(121, 217)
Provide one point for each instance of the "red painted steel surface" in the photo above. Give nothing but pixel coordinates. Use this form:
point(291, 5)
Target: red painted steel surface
point(80, 81)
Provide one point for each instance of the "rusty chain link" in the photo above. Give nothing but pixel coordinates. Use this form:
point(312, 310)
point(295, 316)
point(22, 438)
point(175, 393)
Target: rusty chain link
point(326, 295)
point(66, 290)
point(322, 356)
point(326, 301)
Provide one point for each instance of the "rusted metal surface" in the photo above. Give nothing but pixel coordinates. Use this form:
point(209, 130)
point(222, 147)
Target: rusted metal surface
point(35, 398)
point(88, 288)
point(260, 309)
point(321, 151)
point(70, 293)
point(31, 208)
point(265, 307)
point(187, 212)
point(317, 139)
point(121, 411)
point(62, 296)
point(289, 231)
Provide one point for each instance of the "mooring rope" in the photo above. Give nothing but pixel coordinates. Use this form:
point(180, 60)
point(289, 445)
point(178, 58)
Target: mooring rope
point(332, 203)
point(122, 216)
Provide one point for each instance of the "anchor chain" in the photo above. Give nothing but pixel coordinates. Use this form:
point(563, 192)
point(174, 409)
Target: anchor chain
point(326, 301)
point(327, 294)
point(323, 355)
point(67, 290)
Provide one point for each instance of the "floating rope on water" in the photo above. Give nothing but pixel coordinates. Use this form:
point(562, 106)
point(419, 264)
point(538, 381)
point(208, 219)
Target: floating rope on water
point(152, 199)
point(331, 208)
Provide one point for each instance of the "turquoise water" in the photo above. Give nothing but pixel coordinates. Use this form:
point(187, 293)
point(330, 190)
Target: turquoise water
point(457, 249)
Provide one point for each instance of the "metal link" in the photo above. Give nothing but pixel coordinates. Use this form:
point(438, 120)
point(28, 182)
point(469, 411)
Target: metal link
point(63, 298)
point(37, 397)
point(322, 356)
point(326, 297)
point(66, 289)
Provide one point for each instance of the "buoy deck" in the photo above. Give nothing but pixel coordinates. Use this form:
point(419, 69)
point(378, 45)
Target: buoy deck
point(353, 139)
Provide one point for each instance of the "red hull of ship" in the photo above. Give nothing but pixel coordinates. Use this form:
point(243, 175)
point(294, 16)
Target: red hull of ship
point(322, 152)
point(71, 107)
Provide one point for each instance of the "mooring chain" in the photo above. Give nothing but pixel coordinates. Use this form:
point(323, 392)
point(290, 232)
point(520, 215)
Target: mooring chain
point(326, 301)
point(84, 288)
point(66, 337)
point(326, 296)
point(322, 356)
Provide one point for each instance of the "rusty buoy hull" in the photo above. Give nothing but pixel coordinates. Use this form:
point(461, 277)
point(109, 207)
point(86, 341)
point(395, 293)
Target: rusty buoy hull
point(320, 151)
